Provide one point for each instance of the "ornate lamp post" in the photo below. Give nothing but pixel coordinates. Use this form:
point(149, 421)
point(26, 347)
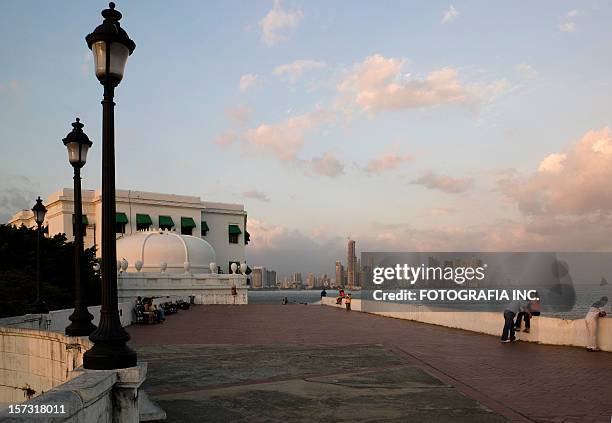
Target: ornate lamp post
point(78, 144)
point(111, 47)
point(39, 210)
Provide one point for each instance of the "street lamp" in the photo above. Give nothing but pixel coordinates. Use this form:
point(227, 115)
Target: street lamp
point(78, 144)
point(39, 211)
point(111, 47)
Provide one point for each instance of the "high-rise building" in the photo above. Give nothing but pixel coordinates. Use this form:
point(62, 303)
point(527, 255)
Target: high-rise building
point(339, 273)
point(310, 280)
point(257, 276)
point(351, 261)
point(271, 278)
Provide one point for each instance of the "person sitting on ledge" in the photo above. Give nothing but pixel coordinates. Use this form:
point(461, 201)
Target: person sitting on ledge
point(533, 309)
point(595, 312)
point(159, 313)
point(339, 300)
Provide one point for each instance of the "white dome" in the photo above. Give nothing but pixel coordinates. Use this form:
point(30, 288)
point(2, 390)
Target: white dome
point(180, 253)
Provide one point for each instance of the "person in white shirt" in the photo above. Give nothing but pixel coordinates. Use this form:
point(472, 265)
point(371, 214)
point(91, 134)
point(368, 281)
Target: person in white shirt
point(595, 312)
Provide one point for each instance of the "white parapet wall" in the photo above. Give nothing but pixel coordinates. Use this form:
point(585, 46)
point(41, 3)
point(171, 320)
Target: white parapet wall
point(205, 288)
point(57, 320)
point(35, 361)
point(544, 330)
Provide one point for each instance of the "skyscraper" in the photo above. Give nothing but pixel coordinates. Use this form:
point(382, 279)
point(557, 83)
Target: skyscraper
point(339, 273)
point(351, 261)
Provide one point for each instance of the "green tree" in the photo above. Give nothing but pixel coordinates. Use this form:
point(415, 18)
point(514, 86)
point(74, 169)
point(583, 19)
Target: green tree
point(18, 272)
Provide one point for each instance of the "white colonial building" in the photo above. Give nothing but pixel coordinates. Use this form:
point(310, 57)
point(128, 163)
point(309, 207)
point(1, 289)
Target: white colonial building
point(160, 263)
point(222, 225)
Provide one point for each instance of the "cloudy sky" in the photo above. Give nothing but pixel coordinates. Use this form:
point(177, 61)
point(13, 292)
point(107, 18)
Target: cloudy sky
point(405, 125)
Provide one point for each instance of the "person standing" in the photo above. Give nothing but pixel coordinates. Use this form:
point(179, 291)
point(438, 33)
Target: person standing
point(508, 334)
point(595, 312)
point(347, 302)
point(323, 295)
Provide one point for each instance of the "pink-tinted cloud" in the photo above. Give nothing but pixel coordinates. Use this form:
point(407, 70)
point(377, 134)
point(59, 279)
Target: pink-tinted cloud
point(279, 23)
point(286, 139)
point(256, 195)
point(378, 84)
point(239, 115)
point(226, 138)
point(387, 162)
point(574, 182)
point(448, 184)
point(327, 165)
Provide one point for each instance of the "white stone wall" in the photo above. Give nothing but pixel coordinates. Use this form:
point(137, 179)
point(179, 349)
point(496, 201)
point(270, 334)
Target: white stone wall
point(36, 359)
point(218, 221)
point(207, 288)
point(57, 320)
point(544, 330)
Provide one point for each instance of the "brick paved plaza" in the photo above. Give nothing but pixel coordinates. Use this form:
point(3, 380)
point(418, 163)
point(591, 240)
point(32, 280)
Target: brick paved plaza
point(201, 358)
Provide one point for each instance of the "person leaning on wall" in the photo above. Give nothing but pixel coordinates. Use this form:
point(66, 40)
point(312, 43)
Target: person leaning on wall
point(591, 319)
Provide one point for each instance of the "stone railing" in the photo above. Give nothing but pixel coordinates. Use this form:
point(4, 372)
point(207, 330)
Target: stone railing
point(57, 320)
point(544, 330)
point(34, 362)
point(41, 379)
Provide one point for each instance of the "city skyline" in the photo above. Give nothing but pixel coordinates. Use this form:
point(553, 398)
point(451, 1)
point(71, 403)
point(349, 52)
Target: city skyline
point(303, 110)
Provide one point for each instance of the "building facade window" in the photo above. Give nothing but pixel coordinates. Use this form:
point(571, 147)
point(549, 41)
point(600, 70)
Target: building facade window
point(120, 221)
point(166, 223)
point(187, 225)
point(143, 222)
point(234, 234)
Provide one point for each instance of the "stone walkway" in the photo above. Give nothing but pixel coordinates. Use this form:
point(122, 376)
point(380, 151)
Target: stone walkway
point(521, 381)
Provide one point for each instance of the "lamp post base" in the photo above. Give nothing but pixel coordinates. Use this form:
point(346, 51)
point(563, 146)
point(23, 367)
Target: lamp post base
point(81, 323)
point(109, 356)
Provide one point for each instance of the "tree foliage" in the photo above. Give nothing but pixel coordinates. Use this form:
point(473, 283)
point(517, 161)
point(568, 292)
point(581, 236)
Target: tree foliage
point(18, 272)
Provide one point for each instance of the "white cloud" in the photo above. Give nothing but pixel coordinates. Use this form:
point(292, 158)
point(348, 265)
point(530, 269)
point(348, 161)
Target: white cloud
point(247, 81)
point(444, 183)
point(450, 14)
point(574, 13)
point(378, 84)
point(327, 165)
point(278, 24)
point(567, 27)
point(294, 70)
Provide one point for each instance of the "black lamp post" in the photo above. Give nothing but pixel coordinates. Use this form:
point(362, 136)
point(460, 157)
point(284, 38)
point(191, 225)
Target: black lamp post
point(78, 144)
point(39, 211)
point(111, 47)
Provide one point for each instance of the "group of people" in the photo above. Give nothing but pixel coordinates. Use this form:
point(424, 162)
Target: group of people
point(342, 296)
point(521, 311)
point(146, 304)
point(524, 311)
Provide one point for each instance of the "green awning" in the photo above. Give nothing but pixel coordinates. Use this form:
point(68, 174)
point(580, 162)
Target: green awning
point(143, 219)
point(85, 221)
point(166, 221)
point(187, 222)
point(205, 226)
point(121, 218)
point(234, 230)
